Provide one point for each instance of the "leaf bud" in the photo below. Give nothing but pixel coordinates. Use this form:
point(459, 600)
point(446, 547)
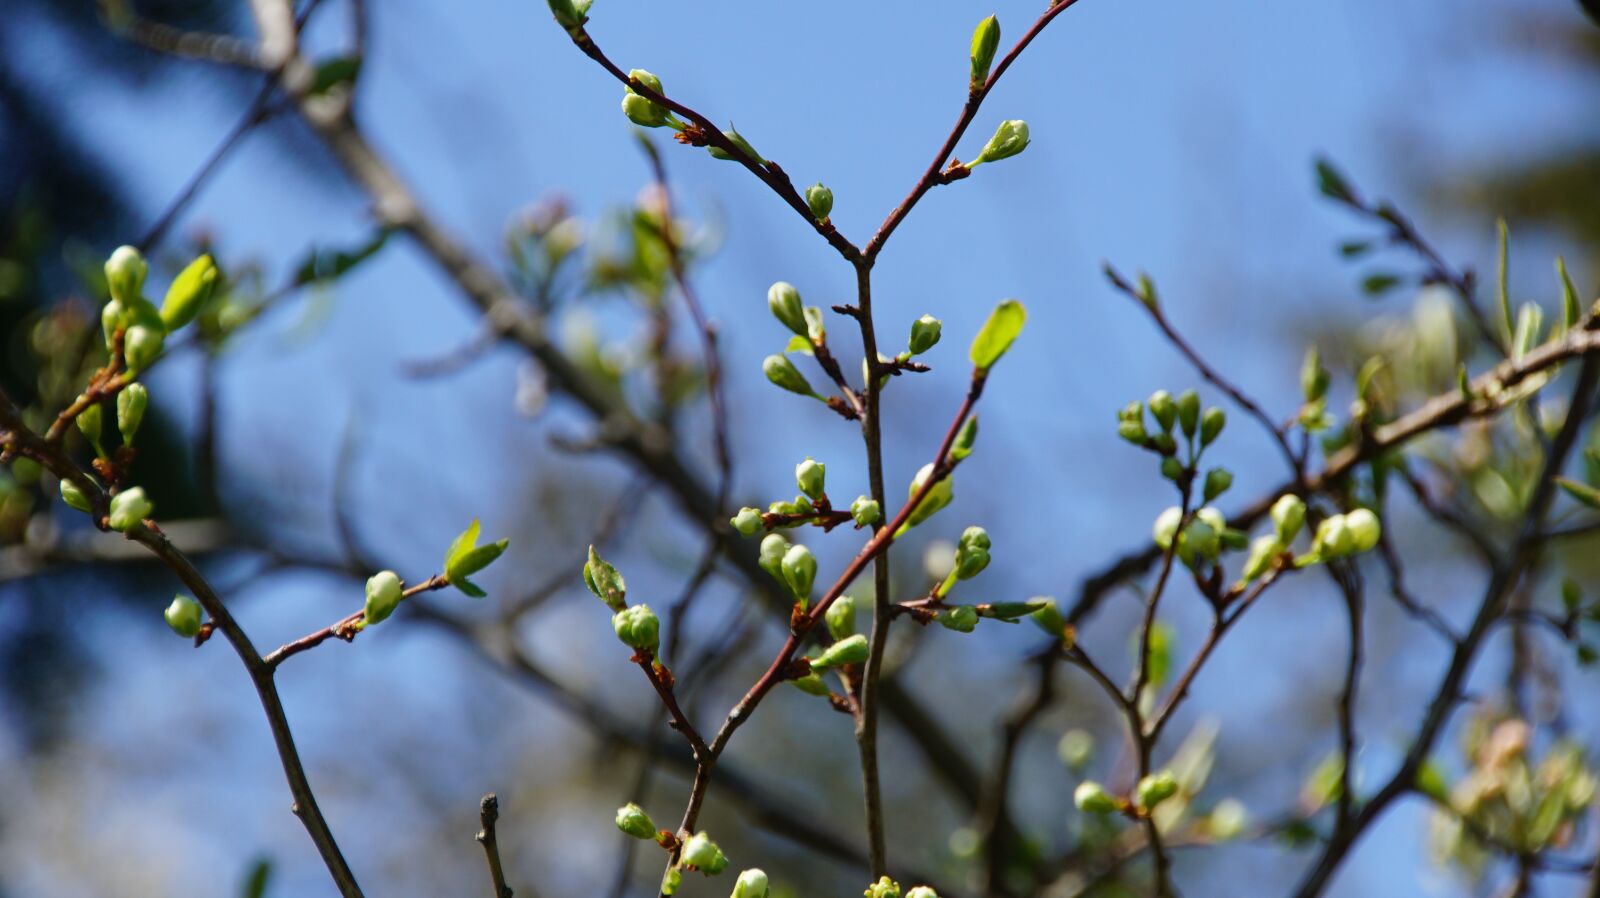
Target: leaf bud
point(183, 616)
point(866, 511)
point(131, 403)
point(841, 618)
point(1218, 480)
point(799, 572)
point(638, 628)
point(852, 649)
point(74, 496)
point(1009, 139)
point(1211, 424)
point(1092, 798)
point(383, 596)
point(1288, 516)
point(985, 40)
point(129, 508)
point(965, 437)
point(125, 273)
point(1156, 788)
point(937, 498)
point(737, 139)
point(189, 291)
point(960, 618)
point(783, 300)
point(605, 581)
point(811, 475)
point(783, 373)
point(925, 333)
point(1188, 412)
point(819, 199)
point(1048, 617)
point(632, 819)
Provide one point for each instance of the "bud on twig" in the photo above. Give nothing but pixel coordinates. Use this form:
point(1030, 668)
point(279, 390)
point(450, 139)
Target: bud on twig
point(883, 888)
point(188, 293)
point(1217, 482)
point(131, 403)
point(74, 496)
point(811, 476)
point(605, 581)
point(799, 572)
point(1092, 798)
point(383, 596)
point(129, 508)
point(783, 373)
point(783, 300)
point(985, 40)
point(819, 200)
point(638, 628)
point(751, 884)
point(1163, 408)
point(1188, 412)
point(1009, 139)
point(960, 618)
point(737, 139)
point(184, 616)
point(937, 498)
point(865, 511)
point(747, 522)
point(1211, 425)
point(632, 819)
point(1288, 516)
point(1155, 788)
point(125, 273)
point(703, 854)
point(850, 650)
point(841, 618)
point(924, 334)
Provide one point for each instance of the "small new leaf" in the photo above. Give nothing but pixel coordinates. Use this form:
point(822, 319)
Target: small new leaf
point(465, 558)
point(998, 333)
point(1583, 492)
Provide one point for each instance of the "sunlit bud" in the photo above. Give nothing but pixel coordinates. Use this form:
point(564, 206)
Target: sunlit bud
point(638, 628)
point(1171, 468)
point(383, 595)
point(866, 511)
point(647, 79)
point(922, 892)
point(644, 112)
point(1163, 408)
point(703, 854)
point(985, 40)
point(74, 496)
point(751, 884)
point(783, 300)
point(747, 521)
point(1076, 749)
point(737, 139)
point(1048, 618)
point(125, 272)
point(967, 436)
point(1188, 412)
point(1288, 516)
point(782, 372)
point(811, 684)
point(570, 13)
point(811, 475)
point(1199, 541)
point(129, 508)
point(924, 334)
point(1166, 527)
point(183, 616)
point(1092, 798)
point(938, 497)
point(1156, 788)
point(1217, 482)
point(142, 345)
point(1263, 551)
point(670, 880)
point(131, 403)
point(1333, 539)
point(849, 650)
point(1130, 424)
point(1364, 529)
point(91, 421)
point(883, 888)
point(841, 618)
point(189, 291)
point(799, 572)
point(960, 618)
point(1211, 424)
point(605, 581)
point(632, 820)
point(111, 316)
point(1009, 139)
point(1227, 820)
point(972, 553)
point(1212, 517)
point(819, 200)
point(773, 548)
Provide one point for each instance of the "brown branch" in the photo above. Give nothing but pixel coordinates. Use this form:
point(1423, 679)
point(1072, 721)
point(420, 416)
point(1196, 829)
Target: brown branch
point(488, 813)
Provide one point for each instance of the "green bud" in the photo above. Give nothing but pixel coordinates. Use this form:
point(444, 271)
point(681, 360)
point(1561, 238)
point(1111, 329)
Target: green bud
point(638, 628)
point(383, 596)
point(1263, 551)
point(985, 40)
point(1164, 444)
point(141, 346)
point(751, 884)
point(883, 888)
point(1333, 538)
point(1288, 515)
point(783, 300)
point(748, 521)
point(773, 547)
point(644, 112)
point(465, 558)
point(811, 475)
point(1048, 617)
point(819, 200)
point(129, 508)
point(1313, 377)
point(811, 684)
point(1227, 820)
point(647, 79)
point(1163, 409)
point(570, 13)
point(1166, 526)
point(1188, 412)
point(972, 554)
point(799, 572)
point(737, 139)
point(1364, 529)
point(922, 892)
point(782, 372)
point(1076, 749)
point(1217, 482)
point(960, 618)
point(131, 403)
point(189, 291)
point(924, 334)
point(184, 616)
point(1211, 425)
point(841, 617)
point(91, 422)
point(849, 650)
point(968, 435)
point(1092, 798)
point(1009, 139)
point(1156, 788)
point(703, 854)
point(866, 511)
point(1171, 468)
point(125, 273)
point(937, 498)
point(605, 581)
point(111, 316)
point(632, 819)
point(670, 880)
point(75, 497)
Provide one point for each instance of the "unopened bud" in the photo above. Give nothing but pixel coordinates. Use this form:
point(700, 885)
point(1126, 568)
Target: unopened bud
point(644, 112)
point(605, 581)
point(972, 553)
point(799, 572)
point(125, 273)
point(383, 596)
point(184, 616)
point(1211, 424)
point(1364, 529)
point(737, 139)
point(1156, 788)
point(703, 854)
point(773, 548)
point(811, 684)
point(131, 403)
point(632, 820)
point(638, 628)
point(866, 511)
point(960, 618)
point(129, 508)
point(883, 888)
point(74, 496)
point(922, 892)
point(570, 13)
point(1130, 424)
point(849, 650)
point(783, 300)
point(1076, 749)
point(189, 291)
point(1188, 412)
point(1163, 408)
point(985, 40)
point(965, 438)
point(1171, 468)
point(841, 618)
point(939, 495)
point(1288, 516)
point(1166, 526)
point(1263, 551)
point(91, 422)
point(1217, 482)
point(1092, 798)
point(747, 522)
point(142, 345)
point(1333, 538)
point(925, 333)
point(819, 200)
point(811, 475)
point(1009, 139)
point(782, 372)
point(1048, 617)
point(751, 884)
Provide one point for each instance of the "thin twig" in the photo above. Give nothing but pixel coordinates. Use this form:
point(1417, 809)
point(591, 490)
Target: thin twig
point(488, 813)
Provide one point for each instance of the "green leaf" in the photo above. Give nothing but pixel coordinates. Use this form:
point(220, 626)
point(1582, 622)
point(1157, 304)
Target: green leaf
point(255, 881)
point(1379, 284)
point(1333, 184)
point(1354, 248)
point(998, 333)
point(1505, 278)
point(469, 587)
point(1584, 493)
point(465, 558)
point(799, 344)
point(1570, 308)
point(328, 265)
point(333, 72)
